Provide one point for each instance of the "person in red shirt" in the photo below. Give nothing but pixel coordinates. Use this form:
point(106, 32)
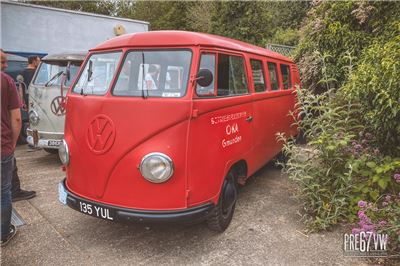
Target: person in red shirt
point(10, 128)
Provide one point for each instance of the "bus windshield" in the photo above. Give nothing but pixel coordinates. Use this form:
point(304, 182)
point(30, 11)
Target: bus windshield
point(160, 73)
point(52, 74)
point(98, 73)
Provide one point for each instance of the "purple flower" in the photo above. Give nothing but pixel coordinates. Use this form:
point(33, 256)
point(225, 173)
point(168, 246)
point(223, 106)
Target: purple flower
point(397, 178)
point(357, 147)
point(388, 198)
point(362, 204)
point(355, 231)
point(368, 228)
point(382, 223)
point(361, 215)
point(385, 204)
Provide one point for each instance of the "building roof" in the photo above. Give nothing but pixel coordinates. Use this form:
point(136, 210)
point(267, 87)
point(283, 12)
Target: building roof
point(184, 38)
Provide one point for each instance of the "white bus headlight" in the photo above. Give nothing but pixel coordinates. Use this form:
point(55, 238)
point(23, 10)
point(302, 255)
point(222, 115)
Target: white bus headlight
point(33, 117)
point(63, 152)
point(156, 167)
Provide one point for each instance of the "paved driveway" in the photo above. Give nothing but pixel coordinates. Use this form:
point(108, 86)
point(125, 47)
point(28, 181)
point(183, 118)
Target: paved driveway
point(265, 229)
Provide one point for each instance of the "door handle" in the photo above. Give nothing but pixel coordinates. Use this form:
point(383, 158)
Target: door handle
point(249, 119)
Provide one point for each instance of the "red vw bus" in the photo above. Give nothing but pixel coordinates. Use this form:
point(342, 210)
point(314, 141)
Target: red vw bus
point(161, 126)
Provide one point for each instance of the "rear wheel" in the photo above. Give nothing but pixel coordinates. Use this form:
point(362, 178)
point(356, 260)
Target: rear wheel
point(52, 151)
point(222, 213)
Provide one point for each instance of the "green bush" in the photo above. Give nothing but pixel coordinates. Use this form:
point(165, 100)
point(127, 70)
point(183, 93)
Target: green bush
point(340, 165)
point(375, 84)
point(321, 170)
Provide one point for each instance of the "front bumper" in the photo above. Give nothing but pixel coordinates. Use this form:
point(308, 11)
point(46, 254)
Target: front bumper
point(42, 139)
point(119, 214)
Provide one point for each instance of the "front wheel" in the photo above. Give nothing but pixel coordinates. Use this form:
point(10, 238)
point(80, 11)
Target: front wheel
point(222, 214)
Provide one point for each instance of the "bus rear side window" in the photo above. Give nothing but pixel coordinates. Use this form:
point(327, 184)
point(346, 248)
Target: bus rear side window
point(273, 76)
point(286, 78)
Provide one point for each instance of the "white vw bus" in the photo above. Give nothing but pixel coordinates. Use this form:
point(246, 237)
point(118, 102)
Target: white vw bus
point(47, 99)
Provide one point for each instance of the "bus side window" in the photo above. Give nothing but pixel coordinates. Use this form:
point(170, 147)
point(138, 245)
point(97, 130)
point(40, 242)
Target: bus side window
point(273, 76)
point(207, 61)
point(258, 75)
point(286, 78)
point(232, 79)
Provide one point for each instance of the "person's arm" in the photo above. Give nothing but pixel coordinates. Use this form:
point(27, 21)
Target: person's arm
point(16, 123)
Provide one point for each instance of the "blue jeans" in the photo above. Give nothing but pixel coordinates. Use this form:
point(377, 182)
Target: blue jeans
point(7, 166)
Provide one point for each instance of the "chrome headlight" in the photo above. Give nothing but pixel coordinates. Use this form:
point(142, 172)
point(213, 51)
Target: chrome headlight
point(33, 117)
point(156, 167)
point(63, 152)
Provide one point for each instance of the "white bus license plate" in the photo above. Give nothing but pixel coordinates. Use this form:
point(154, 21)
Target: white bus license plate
point(54, 143)
point(96, 211)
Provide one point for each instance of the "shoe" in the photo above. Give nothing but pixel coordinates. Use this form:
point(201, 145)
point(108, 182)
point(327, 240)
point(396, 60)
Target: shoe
point(23, 195)
point(11, 234)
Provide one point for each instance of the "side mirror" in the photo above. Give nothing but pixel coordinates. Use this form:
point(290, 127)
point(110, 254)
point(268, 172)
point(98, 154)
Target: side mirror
point(204, 77)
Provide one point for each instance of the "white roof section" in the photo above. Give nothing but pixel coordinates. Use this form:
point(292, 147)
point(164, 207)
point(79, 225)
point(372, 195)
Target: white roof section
point(27, 28)
point(74, 12)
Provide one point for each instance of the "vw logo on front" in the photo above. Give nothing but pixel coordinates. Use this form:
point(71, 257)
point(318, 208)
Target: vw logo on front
point(100, 134)
point(58, 106)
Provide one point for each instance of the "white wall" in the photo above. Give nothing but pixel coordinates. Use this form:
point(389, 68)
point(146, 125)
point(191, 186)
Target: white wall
point(28, 28)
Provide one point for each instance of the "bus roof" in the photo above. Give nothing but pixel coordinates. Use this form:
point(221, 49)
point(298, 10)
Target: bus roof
point(73, 56)
point(184, 38)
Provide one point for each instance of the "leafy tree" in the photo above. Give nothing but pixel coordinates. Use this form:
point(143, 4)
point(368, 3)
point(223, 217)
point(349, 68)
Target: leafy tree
point(335, 29)
point(105, 7)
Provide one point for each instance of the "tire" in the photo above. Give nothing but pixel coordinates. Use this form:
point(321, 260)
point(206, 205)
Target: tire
point(51, 151)
point(221, 215)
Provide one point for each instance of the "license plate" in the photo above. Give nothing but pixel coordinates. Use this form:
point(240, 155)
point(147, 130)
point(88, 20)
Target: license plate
point(95, 210)
point(54, 143)
point(62, 194)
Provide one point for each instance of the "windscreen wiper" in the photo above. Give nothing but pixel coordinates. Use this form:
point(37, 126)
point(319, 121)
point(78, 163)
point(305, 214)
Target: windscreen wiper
point(53, 78)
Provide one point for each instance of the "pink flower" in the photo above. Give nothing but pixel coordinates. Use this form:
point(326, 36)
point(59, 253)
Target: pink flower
point(368, 228)
point(362, 204)
point(397, 178)
point(361, 215)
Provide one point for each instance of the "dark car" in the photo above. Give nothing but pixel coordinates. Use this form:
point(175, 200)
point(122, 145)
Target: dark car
point(16, 64)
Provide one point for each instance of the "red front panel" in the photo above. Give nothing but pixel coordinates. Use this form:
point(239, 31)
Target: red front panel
point(108, 139)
